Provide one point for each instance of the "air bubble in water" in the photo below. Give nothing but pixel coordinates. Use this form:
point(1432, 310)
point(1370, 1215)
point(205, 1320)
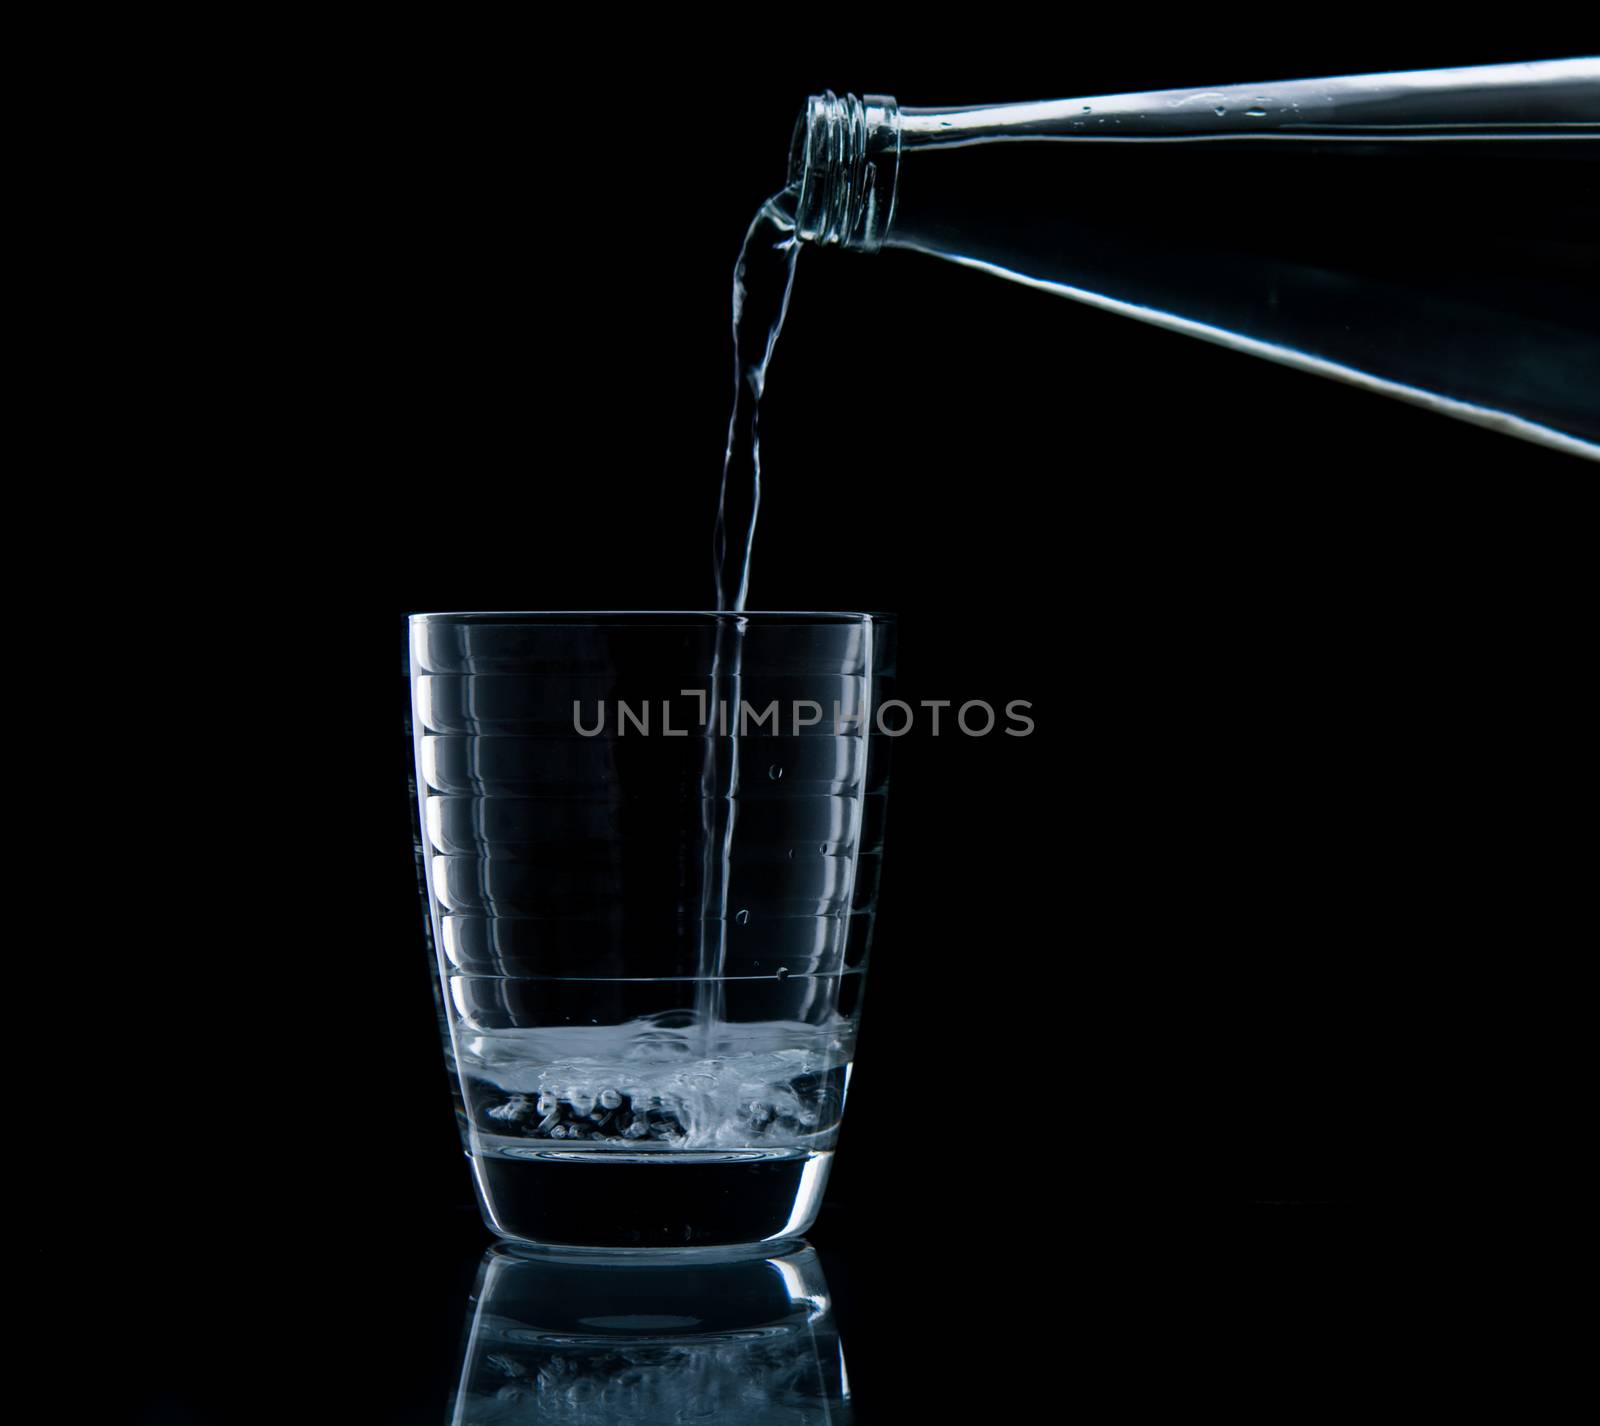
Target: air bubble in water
point(742, 917)
point(668, 1101)
point(775, 772)
point(783, 972)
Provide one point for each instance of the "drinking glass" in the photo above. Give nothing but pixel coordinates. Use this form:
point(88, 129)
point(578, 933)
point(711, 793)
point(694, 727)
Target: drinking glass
point(651, 846)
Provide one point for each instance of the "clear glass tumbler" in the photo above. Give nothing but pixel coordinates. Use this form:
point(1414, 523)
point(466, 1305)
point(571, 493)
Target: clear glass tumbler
point(651, 846)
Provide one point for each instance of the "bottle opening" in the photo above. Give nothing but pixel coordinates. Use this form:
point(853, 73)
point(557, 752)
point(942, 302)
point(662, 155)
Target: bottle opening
point(844, 161)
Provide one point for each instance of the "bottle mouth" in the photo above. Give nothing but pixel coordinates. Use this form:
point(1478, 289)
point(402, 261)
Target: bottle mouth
point(844, 161)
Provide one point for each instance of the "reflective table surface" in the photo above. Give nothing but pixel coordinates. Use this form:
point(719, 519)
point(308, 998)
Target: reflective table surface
point(859, 1324)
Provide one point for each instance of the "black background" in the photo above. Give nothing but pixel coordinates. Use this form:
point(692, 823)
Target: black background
point(457, 319)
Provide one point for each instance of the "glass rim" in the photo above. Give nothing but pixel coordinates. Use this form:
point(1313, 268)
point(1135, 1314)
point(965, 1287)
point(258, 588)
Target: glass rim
point(650, 616)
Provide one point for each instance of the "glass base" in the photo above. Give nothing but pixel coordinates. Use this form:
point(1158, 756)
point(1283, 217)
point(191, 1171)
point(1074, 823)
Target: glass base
point(555, 1199)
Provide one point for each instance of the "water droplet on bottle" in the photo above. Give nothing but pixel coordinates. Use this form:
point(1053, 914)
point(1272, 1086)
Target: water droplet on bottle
point(783, 972)
point(1255, 113)
point(1087, 108)
point(791, 853)
point(1220, 109)
point(823, 849)
point(775, 772)
point(742, 917)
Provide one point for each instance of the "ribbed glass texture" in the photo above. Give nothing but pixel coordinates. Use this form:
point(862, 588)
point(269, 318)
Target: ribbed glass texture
point(650, 845)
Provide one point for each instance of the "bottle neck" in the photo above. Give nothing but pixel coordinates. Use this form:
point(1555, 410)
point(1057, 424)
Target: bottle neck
point(844, 163)
point(845, 160)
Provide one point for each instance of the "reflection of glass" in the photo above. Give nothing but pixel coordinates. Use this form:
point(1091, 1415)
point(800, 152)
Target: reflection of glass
point(591, 1338)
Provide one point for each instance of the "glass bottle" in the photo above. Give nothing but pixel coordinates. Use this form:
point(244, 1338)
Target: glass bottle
point(1434, 236)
